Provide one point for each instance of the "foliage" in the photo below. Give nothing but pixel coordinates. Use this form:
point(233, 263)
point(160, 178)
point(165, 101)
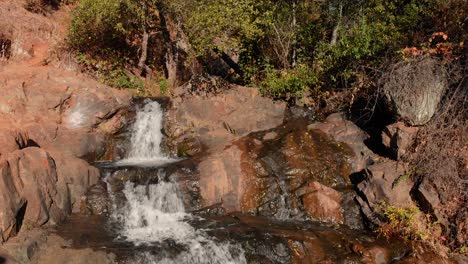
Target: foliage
point(342, 42)
point(98, 25)
point(163, 85)
point(400, 222)
point(222, 25)
point(290, 83)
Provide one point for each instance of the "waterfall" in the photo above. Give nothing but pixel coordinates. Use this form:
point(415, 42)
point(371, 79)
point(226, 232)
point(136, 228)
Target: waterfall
point(146, 137)
point(156, 214)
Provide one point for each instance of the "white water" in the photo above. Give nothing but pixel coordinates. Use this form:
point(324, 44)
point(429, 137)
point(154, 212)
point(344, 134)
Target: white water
point(145, 142)
point(155, 213)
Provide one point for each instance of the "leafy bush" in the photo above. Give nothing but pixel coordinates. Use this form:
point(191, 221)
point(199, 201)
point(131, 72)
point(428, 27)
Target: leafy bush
point(289, 83)
point(121, 79)
point(400, 222)
point(100, 25)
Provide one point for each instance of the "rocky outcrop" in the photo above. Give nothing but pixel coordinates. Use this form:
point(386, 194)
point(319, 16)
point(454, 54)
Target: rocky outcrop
point(398, 138)
point(343, 130)
point(386, 183)
point(217, 120)
point(288, 172)
point(38, 189)
point(51, 121)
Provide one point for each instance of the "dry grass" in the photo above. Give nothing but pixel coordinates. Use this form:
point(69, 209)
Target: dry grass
point(440, 155)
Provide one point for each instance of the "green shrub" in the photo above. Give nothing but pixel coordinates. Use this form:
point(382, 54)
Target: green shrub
point(289, 83)
point(163, 85)
point(121, 79)
point(99, 25)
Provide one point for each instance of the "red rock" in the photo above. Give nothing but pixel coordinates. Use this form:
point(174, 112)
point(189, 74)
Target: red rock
point(343, 130)
point(398, 137)
point(323, 203)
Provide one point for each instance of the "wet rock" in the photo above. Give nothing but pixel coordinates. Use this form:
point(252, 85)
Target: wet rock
point(323, 203)
point(97, 201)
point(343, 130)
point(387, 182)
point(398, 138)
point(276, 177)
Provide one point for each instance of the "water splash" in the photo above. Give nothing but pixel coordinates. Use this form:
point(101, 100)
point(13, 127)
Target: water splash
point(156, 214)
point(145, 142)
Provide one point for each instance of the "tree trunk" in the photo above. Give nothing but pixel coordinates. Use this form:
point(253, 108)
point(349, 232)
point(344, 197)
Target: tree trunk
point(336, 29)
point(144, 51)
point(294, 44)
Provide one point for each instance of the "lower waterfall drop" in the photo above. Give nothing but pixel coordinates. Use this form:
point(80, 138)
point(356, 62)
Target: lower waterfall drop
point(155, 214)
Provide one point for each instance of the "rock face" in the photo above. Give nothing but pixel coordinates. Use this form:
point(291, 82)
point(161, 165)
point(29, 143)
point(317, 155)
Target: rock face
point(251, 163)
point(323, 203)
point(38, 189)
point(415, 89)
point(343, 130)
point(219, 119)
point(51, 121)
point(384, 183)
point(398, 138)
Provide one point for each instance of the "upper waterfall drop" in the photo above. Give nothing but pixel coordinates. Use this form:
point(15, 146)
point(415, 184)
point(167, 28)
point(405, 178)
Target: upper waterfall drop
point(146, 137)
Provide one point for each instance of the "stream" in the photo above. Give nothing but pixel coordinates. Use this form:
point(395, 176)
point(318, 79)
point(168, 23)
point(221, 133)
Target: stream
point(150, 219)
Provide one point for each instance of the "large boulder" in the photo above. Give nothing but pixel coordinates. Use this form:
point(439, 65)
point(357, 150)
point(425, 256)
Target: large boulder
point(415, 88)
point(217, 120)
point(288, 172)
point(38, 188)
point(29, 188)
point(51, 121)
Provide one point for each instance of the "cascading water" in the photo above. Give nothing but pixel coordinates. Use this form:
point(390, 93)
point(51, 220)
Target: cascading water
point(146, 137)
point(155, 214)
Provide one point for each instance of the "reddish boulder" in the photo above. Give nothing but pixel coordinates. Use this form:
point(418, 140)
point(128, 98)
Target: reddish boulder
point(323, 203)
point(219, 119)
point(268, 177)
point(39, 189)
point(343, 130)
point(387, 182)
point(29, 188)
point(398, 138)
